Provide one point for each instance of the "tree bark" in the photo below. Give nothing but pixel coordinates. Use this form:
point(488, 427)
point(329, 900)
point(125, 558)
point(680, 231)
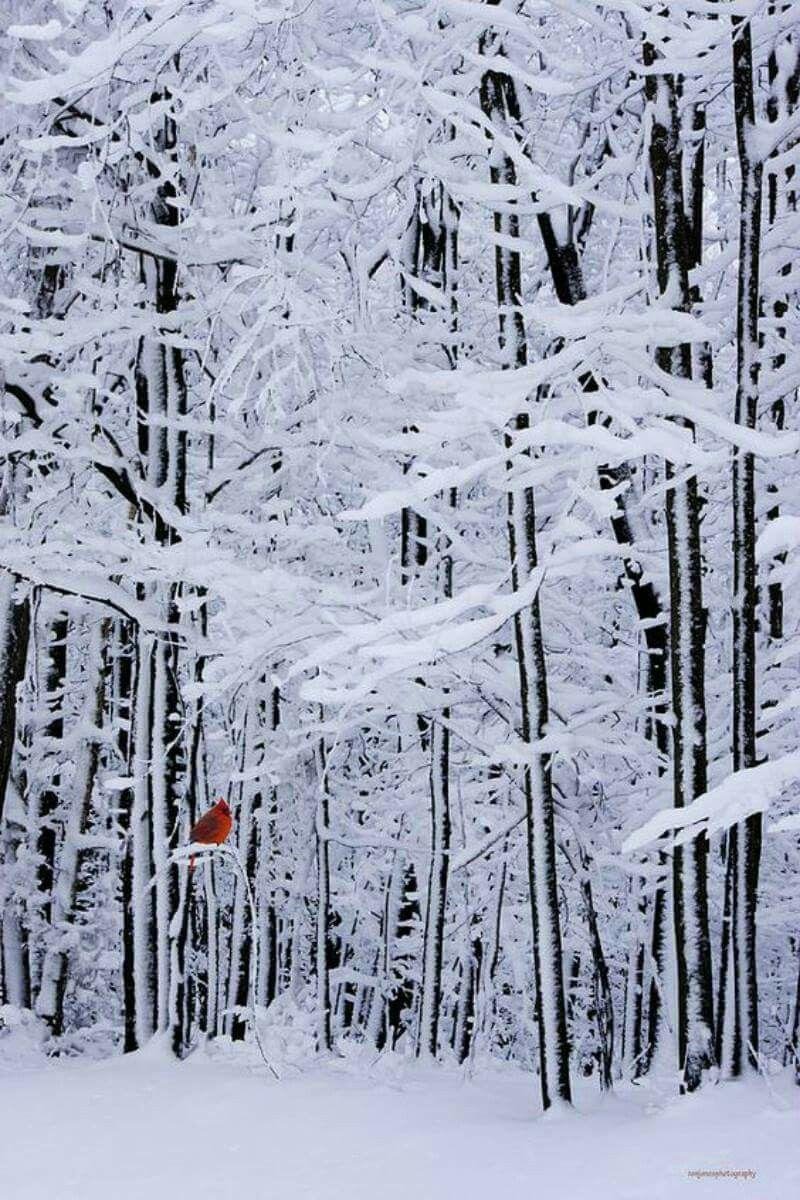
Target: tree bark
point(687, 616)
point(121, 719)
point(433, 260)
point(54, 672)
point(431, 990)
point(566, 270)
point(499, 104)
point(14, 634)
point(325, 943)
point(50, 1000)
point(144, 1019)
point(161, 397)
point(737, 1018)
point(14, 637)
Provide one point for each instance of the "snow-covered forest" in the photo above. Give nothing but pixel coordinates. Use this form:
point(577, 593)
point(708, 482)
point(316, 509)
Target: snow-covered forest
point(400, 442)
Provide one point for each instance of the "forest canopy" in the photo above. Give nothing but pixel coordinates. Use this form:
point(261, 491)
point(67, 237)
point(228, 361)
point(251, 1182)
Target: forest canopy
point(400, 442)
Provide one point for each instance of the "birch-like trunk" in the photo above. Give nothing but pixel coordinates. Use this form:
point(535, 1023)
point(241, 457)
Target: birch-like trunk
point(633, 1019)
point(160, 760)
point(50, 1000)
point(160, 832)
point(14, 634)
point(782, 103)
point(566, 270)
point(601, 983)
point(402, 917)
point(687, 616)
point(436, 907)
point(121, 720)
point(210, 1009)
point(170, 828)
point(143, 1022)
point(499, 104)
point(241, 944)
point(325, 945)
point(737, 1017)
point(794, 1031)
point(52, 670)
point(433, 259)
point(264, 882)
point(465, 1022)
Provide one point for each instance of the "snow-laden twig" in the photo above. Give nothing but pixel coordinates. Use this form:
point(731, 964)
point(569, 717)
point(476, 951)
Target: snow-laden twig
point(196, 851)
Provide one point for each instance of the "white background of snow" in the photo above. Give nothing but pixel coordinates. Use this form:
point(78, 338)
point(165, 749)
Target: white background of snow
point(145, 1127)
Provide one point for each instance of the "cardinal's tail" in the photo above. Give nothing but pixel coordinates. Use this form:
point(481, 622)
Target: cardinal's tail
point(191, 863)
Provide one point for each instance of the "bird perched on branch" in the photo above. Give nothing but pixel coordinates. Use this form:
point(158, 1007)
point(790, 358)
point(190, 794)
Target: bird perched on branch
point(212, 828)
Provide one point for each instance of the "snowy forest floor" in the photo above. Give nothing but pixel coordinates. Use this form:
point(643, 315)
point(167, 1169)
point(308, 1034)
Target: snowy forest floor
point(218, 1126)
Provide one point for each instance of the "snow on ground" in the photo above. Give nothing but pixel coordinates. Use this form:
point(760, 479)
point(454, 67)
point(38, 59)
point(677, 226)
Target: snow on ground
point(218, 1127)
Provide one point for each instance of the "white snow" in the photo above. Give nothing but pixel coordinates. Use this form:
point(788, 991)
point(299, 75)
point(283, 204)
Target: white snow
point(36, 33)
point(218, 1127)
point(740, 795)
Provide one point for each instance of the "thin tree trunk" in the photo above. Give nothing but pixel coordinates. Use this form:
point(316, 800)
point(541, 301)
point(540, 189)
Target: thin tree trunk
point(142, 914)
point(633, 1023)
point(211, 1009)
point(566, 270)
point(401, 916)
point(14, 634)
point(239, 969)
point(325, 948)
point(431, 991)
point(267, 949)
point(50, 1000)
point(500, 105)
point(16, 984)
point(161, 397)
point(687, 617)
point(738, 1015)
point(54, 672)
point(781, 103)
point(464, 1027)
point(604, 1003)
point(434, 259)
point(489, 975)
point(165, 832)
point(123, 662)
point(794, 1042)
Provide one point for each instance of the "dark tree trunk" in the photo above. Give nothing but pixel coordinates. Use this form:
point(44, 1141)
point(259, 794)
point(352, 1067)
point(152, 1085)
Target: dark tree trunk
point(326, 949)
point(14, 637)
point(161, 400)
point(469, 987)
point(687, 617)
point(566, 270)
point(603, 999)
point(633, 1022)
point(794, 1033)
point(433, 260)
point(499, 104)
point(55, 675)
point(54, 976)
point(737, 1018)
point(242, 966)
point(268, 974)
point(435, 911)
point(781, 103)
point(402, 921)
point(142, 1021)
point(122, 685)
point(14, 634)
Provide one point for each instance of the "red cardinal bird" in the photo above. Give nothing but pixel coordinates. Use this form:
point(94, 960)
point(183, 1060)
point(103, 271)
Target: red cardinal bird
point(212, 828)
